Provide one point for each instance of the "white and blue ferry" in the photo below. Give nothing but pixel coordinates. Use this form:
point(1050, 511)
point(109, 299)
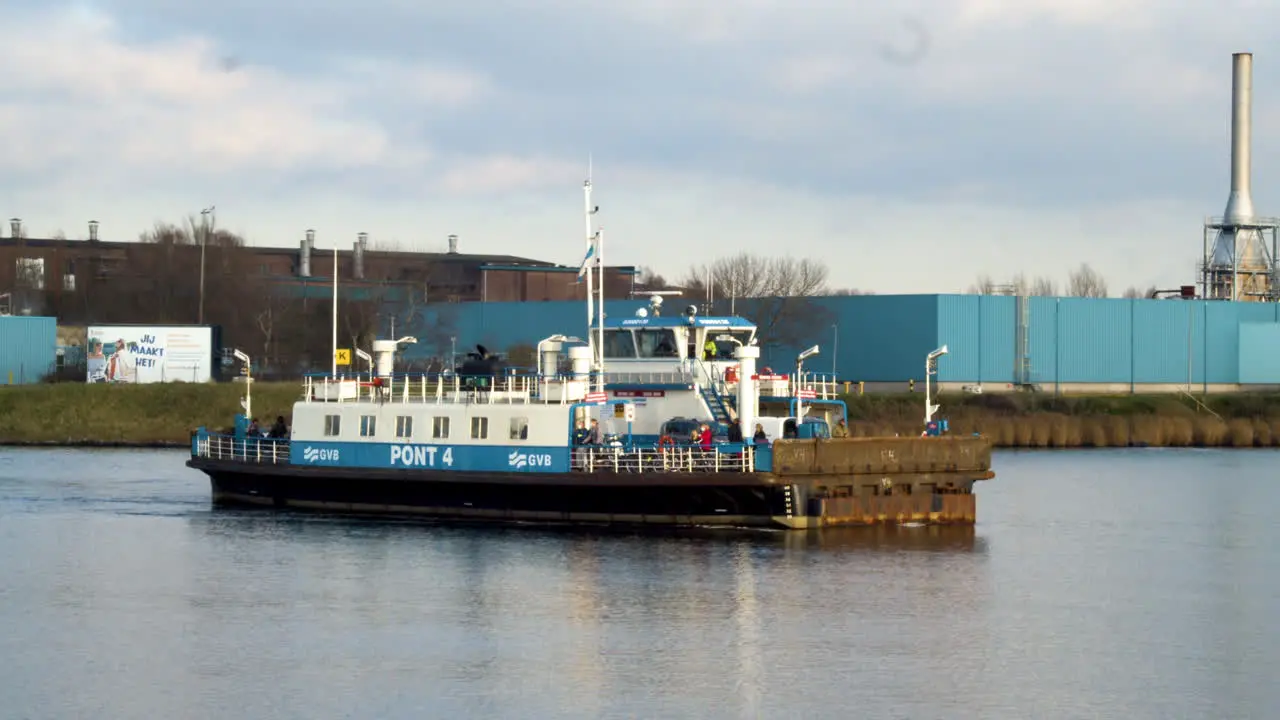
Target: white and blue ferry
point(484, 441)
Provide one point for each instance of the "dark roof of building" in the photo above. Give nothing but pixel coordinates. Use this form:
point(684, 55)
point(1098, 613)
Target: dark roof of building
point(293, 251)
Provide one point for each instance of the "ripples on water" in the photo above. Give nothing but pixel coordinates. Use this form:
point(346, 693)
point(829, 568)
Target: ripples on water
point(1127, 584)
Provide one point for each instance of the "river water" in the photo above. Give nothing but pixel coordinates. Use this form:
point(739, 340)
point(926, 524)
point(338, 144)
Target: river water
point(1113, 583)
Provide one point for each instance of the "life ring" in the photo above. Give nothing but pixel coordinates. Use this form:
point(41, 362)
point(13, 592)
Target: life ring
point(666, 440)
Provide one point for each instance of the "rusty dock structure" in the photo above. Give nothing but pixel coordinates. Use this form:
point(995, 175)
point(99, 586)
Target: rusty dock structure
point(865, 481)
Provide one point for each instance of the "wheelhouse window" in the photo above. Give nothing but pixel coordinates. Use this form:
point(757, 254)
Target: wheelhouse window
point(519, 428)
point(404, 426)
point(368, 425)
point(332, 425)
point(479, 428)
point(659, 343)
point(439, 427)
point(725, 341)
point(619, 344)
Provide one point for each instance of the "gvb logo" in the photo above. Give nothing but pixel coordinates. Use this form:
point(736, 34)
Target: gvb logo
point(314, 454)
point(520, 461)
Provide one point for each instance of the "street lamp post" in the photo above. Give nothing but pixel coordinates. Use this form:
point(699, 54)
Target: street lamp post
point(835, 349)
point(205, 215)
point(453, 353)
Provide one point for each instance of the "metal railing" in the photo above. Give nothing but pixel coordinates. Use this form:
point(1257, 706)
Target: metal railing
point(676, 377)
point(424, 388)
point(822, 385)
point(723, 458)
point(269, 451)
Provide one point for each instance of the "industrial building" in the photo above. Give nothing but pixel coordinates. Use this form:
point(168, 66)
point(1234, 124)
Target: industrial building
point(66, 277)
point(995, 343)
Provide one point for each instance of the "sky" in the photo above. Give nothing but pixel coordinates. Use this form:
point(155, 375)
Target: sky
point(911, 145)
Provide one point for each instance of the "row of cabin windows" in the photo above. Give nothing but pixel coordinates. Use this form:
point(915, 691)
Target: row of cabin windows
point(662, 343)
point(439, 427)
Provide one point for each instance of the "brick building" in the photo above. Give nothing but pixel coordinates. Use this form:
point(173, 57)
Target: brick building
point(57, 276)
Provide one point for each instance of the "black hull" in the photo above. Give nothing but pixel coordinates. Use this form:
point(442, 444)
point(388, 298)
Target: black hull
point(738, 500)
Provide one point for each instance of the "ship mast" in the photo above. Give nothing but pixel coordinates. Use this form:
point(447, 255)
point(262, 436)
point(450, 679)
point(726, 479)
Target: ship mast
point(586, 261)
point(594, 258)
point(600, 313)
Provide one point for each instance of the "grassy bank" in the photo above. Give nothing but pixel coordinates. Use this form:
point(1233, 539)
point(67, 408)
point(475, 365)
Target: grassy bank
point(73, 413)
point(1039, 421)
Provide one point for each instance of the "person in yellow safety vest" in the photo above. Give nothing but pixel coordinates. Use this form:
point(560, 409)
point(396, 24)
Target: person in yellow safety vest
point(710, 350)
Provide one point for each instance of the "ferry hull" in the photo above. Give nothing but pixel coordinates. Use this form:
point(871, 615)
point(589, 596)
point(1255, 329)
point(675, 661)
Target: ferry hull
point(658, 499)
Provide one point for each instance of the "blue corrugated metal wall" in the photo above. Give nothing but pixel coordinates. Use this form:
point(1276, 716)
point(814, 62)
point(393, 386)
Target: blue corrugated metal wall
point(884, 338)
point(1259, 352)
point(27, 348)
point(1092, 340)
point(498, 326)
point(873, 338)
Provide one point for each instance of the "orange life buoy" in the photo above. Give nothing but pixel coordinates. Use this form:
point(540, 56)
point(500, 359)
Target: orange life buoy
point(666, 440)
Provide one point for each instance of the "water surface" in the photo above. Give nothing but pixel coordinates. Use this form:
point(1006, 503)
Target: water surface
point(1118, 583)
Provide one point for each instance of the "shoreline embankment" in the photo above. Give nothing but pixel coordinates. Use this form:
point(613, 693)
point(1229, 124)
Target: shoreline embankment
point(159, 416)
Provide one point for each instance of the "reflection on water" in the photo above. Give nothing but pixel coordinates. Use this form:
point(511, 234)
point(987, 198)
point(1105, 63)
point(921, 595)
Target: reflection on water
point(1117, 584)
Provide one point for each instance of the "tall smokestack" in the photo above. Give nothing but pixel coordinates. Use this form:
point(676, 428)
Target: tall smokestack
point(453, 244)
point(93, 231)
point(1240, 266)
point(15, 227)
point(1240, 202)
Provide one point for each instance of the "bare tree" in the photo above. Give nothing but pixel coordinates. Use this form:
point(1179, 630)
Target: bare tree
point(386, 245)
point(845, 292)
point(750, 276)
point(1133, 292)
point(984, 285)
point(776, 293)
point(649, 279)
point(1044, 287)
point(1086, 282)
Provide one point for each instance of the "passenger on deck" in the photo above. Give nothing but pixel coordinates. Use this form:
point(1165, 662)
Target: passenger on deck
point(580, 434)
point(593, 435)
point(840, 430)
point(760, 437)
point(735, 433)
point(254, 429)
point(709, 350)
point(705, 439)
point(279, 430)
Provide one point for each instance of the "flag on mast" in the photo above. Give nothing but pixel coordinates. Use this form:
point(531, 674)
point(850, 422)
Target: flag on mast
point(586, 261)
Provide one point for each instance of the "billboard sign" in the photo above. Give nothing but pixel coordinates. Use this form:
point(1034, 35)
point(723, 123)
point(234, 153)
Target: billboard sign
point(149, 353)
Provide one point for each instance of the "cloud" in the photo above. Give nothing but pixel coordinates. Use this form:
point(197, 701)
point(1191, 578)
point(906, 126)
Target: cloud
point(82, 97)
point(912, 145)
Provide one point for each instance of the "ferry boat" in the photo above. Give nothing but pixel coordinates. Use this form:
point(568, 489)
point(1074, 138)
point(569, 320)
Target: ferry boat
point(484, 441)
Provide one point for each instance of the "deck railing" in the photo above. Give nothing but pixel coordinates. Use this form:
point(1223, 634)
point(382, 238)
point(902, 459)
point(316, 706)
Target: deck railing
point(269, 451)
point(723, 458)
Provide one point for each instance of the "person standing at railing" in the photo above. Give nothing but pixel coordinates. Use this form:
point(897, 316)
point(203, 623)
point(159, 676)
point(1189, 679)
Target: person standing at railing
point(704, 438)
point(760, 437)
point(279, 430)
point(840, 430)
point(735, 433)
point(593, 435)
